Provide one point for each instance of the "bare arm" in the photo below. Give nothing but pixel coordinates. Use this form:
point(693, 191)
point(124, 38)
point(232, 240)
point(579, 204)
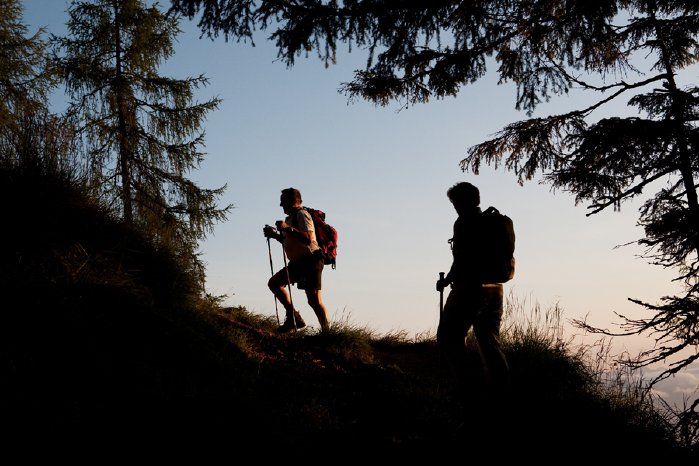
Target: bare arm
point(303, 236)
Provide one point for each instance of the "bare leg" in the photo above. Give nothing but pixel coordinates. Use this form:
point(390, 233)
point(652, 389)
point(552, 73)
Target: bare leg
point(316, 303)
point(277, 284)
point(487, 330)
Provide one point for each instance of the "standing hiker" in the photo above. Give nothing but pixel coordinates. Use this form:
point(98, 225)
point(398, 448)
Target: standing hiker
point(305, 267)
point(471, 303)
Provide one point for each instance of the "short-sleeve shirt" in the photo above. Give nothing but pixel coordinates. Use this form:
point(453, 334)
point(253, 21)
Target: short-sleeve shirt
point(295, 249)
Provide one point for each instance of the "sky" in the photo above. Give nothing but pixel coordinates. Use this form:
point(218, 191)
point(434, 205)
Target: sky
point(381, 175)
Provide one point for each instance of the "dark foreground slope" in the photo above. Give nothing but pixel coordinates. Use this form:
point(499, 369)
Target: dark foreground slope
point(104, 347)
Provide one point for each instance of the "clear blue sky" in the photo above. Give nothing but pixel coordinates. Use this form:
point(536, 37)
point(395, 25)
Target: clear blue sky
point(381, 175)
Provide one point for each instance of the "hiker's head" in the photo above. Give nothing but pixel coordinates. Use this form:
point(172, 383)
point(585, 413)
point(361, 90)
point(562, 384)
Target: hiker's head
point(290, 199)
point(464, 195)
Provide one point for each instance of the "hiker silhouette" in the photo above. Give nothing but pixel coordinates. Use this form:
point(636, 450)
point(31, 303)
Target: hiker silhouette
point(305, 267)
point(471, 303)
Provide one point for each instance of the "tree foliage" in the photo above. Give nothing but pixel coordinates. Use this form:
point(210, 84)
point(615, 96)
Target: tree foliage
point(29, 133)
point(614, 49)
point(141, 131)
point(422, 49)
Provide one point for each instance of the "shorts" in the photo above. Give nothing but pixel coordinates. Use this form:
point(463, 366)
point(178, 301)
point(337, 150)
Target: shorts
point(477, 306)
point(306, 272)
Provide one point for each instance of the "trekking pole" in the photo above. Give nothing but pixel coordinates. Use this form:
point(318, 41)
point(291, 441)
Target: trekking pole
point(276, 306)
point(441, 294)
point(288, 282)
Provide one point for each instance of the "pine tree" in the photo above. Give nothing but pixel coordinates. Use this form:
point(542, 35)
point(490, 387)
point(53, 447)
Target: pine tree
point(141, 131)
point(29, 133)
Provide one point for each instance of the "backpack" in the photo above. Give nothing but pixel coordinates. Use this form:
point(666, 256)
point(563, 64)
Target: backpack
point(496, 246)
point(326, 235)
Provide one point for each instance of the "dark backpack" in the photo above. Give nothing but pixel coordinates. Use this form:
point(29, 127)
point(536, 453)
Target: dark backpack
point(497, 246)
point(326, 235)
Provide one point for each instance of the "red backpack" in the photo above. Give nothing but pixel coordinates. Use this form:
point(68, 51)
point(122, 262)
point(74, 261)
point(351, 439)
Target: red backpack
point(326, 235)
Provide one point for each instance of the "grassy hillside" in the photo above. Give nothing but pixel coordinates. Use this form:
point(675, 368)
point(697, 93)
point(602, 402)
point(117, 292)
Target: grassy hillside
point(103, 341)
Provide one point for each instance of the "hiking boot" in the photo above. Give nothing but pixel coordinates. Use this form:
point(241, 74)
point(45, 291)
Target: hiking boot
point(288, 324)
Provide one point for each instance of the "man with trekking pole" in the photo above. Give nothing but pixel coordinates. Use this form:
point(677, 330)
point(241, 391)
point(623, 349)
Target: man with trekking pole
point(473, 301)
point(305, 266)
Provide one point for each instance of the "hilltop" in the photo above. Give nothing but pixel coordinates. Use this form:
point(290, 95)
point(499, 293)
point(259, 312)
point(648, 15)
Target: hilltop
point(104, 341)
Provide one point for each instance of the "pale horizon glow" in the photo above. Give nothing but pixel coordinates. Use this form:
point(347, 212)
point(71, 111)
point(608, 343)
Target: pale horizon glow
point(381, 176)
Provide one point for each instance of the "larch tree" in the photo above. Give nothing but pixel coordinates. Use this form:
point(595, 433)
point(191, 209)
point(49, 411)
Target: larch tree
point(141, 132)
point(615, 49)
point(29, 134)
